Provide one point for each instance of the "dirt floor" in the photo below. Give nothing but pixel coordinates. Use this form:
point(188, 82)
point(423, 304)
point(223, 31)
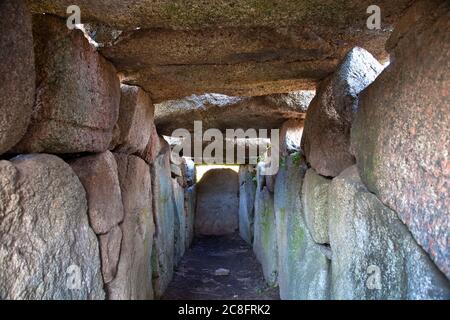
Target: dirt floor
point(195, 277)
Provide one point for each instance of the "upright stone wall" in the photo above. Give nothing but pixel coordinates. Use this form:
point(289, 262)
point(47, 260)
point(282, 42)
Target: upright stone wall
point(47, 248)
point(135, 123)
point(401, 135)
point(190, 203)
point(179, 221)
point(315, 205)
point(326, 137)
point(247, 191)
point(164, 215)
point(134, 272)
point(265, 237)
point(100, 178)
point(374, 254)
point(303, 267)
point(57, 215)
point(77, 93)
point(17, 72)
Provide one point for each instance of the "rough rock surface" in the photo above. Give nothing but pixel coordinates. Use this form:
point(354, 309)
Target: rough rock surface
point(180, 15)
point(247, 192)
point(315, 205)
point(191, 174)
point(326, 137)
point(374, 254)
point(224, 112)
point(291, 133)
point(401, 135)
point(217, 203)
point(110, 244)
point(153, 147)
point(17, 74)
point(99, 176)
point(180, 221)
point(304, 270)
point(164, 215)
point(190, 201)
point(45, 238)
point(237, 47)
point(78, 116)
point(264, 233)
point(135, 122)
point(134, 272)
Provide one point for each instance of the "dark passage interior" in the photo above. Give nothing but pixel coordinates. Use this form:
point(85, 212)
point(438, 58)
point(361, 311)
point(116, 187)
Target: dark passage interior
point(337, 114)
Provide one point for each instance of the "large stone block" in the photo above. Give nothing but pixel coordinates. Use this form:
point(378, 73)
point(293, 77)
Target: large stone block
point(247, 192)
point(326, 137)
point(17, 74)
point(47, 249)
point(153, 147)
point(190, 200)
point(401, 134)
point(217, 203)
point(265, 237)
point(135, 122)
point(99, 176)
point(303, 267)
point(291, 134)
point(133, 280)
point(222, 112)
point(77, 93)
point(110, 245)
point(315, 205)
point(234, 47)
point(374, 254)
point(164, 215)
point(180, 221)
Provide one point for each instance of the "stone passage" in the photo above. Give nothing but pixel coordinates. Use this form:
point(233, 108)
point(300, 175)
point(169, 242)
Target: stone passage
point(95, 205)
point(220, 268)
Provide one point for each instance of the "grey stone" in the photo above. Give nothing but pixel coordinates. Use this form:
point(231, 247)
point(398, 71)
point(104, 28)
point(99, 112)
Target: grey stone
point(99, 176)
point(304, 270)
point(110, 245)
point(264, 229)
point(315, 205)
point(17, 73)
point(46, 244)
point(265, 237)
point(180, 221)
point(326, 137)
point(217, 203)
point(374, 254)
point(224, 112)
point(164, 214)
point(190, 196)
point(133, 280)
point(401, 135)
point(191, 175)
point(291, 133)
point(247, 192)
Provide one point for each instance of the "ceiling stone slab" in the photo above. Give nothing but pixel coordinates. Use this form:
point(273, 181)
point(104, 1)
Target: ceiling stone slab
point(224, 112)
point(177, 48)
point(181, 14)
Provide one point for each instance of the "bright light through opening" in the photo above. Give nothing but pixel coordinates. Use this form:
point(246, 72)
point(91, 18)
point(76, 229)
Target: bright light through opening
point(202, 169)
